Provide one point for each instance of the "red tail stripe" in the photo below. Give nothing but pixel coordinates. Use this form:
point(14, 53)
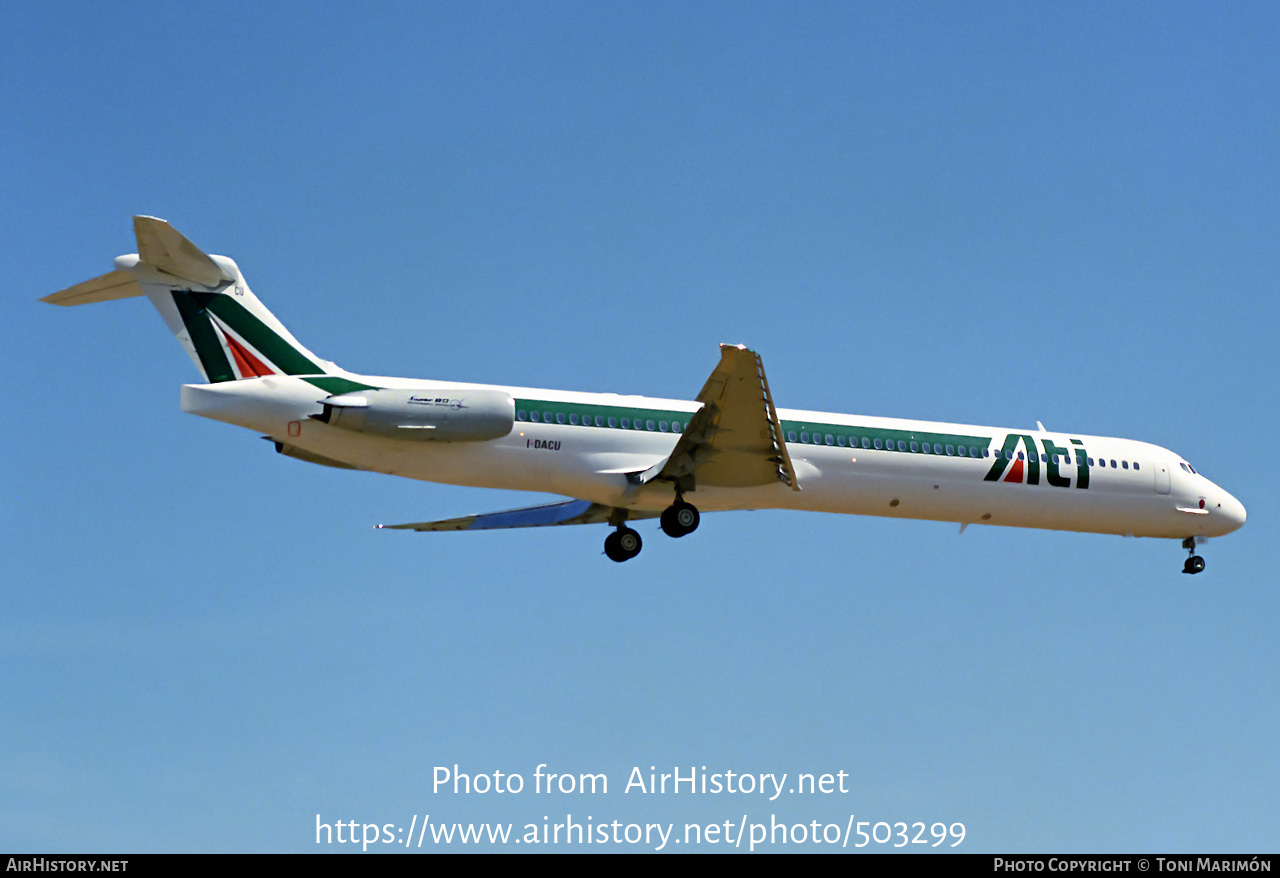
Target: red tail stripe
point(248, 365)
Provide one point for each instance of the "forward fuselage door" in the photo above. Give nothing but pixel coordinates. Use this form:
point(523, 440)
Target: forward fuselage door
point(1162, 477)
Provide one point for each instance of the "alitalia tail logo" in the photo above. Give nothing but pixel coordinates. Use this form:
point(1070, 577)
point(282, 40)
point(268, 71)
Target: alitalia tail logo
point(1019, 461)
point(232, 343)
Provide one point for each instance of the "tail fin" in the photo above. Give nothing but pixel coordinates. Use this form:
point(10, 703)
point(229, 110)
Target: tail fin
point(225, 329)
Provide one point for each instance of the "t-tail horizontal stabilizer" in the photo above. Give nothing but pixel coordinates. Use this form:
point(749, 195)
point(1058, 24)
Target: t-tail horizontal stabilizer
point(112, 285)
point(228, 333)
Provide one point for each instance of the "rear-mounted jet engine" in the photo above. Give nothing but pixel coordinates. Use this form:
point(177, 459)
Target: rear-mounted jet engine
point(440, 415)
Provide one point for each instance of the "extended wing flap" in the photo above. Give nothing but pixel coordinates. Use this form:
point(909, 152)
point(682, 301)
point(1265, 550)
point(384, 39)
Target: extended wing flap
point(735, 439)
point(567, 512)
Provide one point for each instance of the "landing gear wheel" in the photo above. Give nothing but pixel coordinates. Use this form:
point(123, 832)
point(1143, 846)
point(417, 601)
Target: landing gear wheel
point(622, 545)
point(679, 518)
point(1195, 563)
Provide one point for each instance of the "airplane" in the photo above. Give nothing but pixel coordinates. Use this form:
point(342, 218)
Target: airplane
point(619, 458)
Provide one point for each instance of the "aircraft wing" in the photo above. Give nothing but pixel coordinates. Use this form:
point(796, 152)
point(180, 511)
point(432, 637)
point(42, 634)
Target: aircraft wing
point(734, 440)
point(567, 512)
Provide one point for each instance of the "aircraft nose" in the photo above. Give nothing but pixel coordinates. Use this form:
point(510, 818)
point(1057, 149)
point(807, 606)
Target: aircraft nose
point(1231, 512)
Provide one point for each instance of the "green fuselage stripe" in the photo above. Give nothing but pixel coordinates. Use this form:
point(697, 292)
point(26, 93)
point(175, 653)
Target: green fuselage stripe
point(796, 432)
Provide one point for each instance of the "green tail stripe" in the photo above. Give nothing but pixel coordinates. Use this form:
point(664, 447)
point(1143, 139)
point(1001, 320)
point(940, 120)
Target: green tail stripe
point(282, 355)
point(335, 384)
point(204, 338)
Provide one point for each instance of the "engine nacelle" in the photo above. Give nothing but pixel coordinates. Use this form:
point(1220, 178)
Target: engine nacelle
point(442, 415)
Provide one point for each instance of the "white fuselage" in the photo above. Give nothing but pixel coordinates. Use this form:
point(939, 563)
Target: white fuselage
point(578, 447)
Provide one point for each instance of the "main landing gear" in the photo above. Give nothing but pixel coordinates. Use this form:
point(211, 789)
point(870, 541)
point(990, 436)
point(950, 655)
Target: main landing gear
point(1195, 563)
point(623, 544)
point(678, 519)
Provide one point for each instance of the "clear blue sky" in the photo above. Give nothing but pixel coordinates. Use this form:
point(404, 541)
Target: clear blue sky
point(989, 213)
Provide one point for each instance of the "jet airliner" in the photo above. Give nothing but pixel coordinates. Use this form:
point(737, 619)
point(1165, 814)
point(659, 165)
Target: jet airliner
point(618, 458)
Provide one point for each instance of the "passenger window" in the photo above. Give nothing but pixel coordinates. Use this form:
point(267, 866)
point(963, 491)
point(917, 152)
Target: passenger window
point(559, 417)
point(1135, 465)
point(1020, 457)
point(791, 436)
point(626, 423)
point(866, 443)
point(573, 419)
point(915, 446)
point(962, 451)
point(662, 425)
point(675, 426)
point(648, 425)
point(879, 444)
point(533, 416)
point(613, 422)
point(1124, 464)
point(520, 415)
point(831, 440)
point(841, 440)
point(804, 437)
point(951, 450)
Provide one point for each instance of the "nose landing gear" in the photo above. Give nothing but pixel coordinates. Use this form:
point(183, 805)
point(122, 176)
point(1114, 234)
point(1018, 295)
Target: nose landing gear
point(1194, 563)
